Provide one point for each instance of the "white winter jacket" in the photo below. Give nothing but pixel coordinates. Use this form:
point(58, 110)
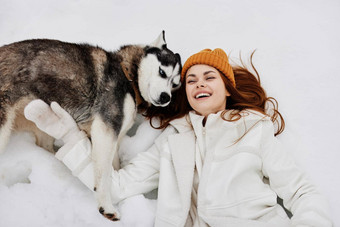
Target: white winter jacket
point(232, 191)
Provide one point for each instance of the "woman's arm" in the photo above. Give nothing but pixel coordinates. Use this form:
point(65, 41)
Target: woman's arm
point(140, 176)
point(308, 206)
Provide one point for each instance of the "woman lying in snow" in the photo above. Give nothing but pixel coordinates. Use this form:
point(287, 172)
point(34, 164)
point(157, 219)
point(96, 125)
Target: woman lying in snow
point(217, 162)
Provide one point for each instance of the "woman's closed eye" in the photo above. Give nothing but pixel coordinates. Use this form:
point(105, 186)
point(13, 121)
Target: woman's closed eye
point(210, 78)
point(191, 81)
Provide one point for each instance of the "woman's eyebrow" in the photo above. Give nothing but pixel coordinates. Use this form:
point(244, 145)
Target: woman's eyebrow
point(192, 75)
point(207, 72)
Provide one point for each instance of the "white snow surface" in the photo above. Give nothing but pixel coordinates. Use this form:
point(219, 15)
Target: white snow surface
point(297, 54)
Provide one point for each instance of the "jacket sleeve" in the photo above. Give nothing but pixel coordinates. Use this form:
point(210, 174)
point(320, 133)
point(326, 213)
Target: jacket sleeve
point(309, 208)
point(139, 176)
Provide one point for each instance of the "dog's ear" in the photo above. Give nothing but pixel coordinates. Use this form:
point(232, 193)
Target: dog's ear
point(160, 41)
point(178, 57)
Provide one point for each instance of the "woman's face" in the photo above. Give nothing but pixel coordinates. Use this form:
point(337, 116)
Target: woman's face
point(205, 89)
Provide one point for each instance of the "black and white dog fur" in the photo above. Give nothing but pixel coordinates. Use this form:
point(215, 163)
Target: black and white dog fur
point(101, 90)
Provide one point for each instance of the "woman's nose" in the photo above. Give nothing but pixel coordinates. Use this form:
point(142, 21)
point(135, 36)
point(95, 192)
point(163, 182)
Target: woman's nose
point(200, 84)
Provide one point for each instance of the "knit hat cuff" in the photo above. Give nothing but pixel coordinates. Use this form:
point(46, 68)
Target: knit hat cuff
point(211, 59)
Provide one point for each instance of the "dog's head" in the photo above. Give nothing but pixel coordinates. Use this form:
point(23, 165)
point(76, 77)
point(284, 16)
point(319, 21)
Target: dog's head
point(159, 73)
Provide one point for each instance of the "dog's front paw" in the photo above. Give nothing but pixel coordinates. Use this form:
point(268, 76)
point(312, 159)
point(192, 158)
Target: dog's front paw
point(111, 215)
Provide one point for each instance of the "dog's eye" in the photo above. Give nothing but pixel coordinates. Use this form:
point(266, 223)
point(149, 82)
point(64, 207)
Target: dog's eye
point(162, 73)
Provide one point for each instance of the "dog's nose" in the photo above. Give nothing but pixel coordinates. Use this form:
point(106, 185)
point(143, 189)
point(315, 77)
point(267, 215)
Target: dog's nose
point(164, 98)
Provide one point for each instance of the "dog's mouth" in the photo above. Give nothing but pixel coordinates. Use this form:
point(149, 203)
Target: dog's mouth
point(159, 104)
point(162, 100)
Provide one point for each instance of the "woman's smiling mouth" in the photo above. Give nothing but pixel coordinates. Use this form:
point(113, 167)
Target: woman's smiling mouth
point(202, 95)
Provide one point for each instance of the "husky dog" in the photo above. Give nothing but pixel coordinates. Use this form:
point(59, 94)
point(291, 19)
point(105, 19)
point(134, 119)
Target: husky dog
point(101, 90)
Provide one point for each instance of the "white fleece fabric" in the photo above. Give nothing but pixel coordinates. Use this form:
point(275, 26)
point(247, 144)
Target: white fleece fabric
point(231, 189)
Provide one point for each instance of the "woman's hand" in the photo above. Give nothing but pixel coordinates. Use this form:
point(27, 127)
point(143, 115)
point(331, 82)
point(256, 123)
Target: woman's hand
point(53, 120)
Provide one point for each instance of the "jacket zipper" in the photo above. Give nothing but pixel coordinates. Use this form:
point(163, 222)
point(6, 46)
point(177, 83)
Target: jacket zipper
point(204, 143)
point(203, 165)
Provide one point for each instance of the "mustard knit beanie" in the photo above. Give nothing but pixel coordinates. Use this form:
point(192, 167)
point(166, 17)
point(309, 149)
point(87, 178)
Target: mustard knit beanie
point(215, 58)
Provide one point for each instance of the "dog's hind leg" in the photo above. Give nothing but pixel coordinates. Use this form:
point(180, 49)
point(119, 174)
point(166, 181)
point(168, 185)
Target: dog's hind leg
point(43, 140)
point(6, 123)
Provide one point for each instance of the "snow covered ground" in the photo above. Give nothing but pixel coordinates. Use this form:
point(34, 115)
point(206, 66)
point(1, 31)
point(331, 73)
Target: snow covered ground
point(297, 54)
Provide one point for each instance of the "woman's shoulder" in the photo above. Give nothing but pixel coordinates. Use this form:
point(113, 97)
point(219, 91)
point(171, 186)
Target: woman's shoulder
point(181, 125)
point(253, 114)
point(245, 115)
point(248, 119)
point(172, 129)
